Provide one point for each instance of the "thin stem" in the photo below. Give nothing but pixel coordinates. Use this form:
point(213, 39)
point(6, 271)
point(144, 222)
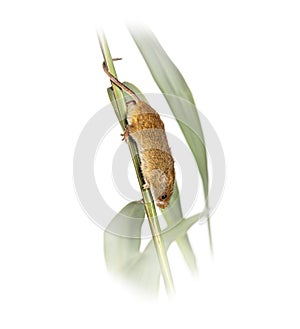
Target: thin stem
point(119, 97)
point(209, 229)
point(120, 108)
point(210, 236)
point(171, 83)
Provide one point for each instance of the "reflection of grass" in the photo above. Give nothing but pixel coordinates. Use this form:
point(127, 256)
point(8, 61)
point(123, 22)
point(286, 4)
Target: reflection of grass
point(120, 109)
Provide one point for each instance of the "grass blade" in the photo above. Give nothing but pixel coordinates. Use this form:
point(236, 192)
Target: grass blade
point(144, 269)
point(121, 248)
point(171, 82)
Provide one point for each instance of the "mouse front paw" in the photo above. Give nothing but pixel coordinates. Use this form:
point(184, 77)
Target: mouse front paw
point(146, 186)
point(125, 135)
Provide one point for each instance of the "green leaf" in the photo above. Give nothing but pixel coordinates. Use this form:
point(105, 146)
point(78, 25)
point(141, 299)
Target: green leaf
point(136, 91)
point(180, 229)
point(171, 83)
point(173, 215)
point(144, 271)
point(122, 237)
point(122, 250)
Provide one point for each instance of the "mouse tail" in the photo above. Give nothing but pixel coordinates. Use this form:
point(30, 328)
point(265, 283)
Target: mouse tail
point(119, 83)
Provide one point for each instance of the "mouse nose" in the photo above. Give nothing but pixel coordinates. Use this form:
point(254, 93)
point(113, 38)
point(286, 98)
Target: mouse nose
point(161, 204)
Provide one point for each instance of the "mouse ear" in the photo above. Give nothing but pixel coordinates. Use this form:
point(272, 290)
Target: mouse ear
point(130, 103)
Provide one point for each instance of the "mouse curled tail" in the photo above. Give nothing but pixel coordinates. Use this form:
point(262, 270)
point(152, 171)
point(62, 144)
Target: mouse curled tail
point(119, 83)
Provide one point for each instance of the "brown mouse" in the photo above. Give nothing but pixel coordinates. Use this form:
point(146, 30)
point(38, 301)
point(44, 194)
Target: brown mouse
point(147, 130)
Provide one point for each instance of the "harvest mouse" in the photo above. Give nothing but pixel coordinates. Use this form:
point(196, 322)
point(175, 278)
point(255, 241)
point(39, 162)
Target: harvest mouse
point(147, 130)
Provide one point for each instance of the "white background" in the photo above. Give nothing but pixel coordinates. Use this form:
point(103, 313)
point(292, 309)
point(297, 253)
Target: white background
point(241, 60)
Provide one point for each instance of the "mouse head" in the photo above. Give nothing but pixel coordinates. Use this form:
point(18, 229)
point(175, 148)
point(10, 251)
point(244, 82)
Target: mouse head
point(162, 184)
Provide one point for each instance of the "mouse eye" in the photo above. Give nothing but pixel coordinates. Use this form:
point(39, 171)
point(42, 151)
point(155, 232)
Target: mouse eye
point(164, 196)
